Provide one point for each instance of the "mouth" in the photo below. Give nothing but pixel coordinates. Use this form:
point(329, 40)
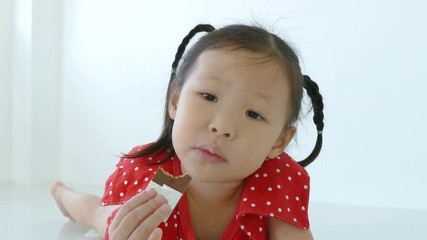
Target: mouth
point(210, 154)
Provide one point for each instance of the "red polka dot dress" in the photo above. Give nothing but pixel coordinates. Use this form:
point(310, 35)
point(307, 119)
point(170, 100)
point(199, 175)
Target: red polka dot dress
point(278, 189)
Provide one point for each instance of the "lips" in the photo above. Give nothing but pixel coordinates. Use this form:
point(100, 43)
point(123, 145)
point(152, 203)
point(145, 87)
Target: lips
point(210, 154)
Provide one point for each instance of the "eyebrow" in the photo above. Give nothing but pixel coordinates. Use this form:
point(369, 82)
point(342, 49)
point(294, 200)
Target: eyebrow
point(215, 77)
point(263, 96)
point(212, 76)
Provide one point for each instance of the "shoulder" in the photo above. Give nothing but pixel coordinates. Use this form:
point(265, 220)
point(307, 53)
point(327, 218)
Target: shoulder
point(288, 165)
point(132, 175)
point(279, 189)
point(280, 230)
point(290, 177)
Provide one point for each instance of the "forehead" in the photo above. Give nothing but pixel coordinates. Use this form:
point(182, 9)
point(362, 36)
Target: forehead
point(257, 69)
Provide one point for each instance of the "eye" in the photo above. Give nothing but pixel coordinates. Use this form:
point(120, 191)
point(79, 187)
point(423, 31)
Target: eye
point(254, 115)
point(209, 97)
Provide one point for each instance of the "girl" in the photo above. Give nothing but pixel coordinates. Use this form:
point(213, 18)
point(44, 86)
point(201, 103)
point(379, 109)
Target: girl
point(230, 112)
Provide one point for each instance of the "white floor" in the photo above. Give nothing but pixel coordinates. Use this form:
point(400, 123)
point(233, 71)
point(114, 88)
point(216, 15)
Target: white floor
point(30, 213)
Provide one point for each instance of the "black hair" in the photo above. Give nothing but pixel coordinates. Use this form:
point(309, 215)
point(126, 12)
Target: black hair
point(250, 38)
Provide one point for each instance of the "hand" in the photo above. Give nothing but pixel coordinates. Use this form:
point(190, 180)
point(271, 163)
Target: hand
point(140, 217)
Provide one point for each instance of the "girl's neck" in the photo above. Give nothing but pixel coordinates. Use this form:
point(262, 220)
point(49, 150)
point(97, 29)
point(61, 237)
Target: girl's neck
point(217, 201)
point(214, 193)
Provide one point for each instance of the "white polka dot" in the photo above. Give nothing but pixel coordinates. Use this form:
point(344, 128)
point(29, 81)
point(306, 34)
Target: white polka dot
point(271, 214)
point(295, 220)
point(132, 161)
point(111, 192)
point(253, 205)
point(139, 190)
point(260, 229)
point(278, 158)
point(150, 159)
point(257, 175)
point(125, 182)
point(265, 175)
point(124, 173)
point(287, 165)
point(177, 213)
point(297, 198)
point(174, 216)
point(279, 210)
point(252, 188)
point(166, 224)
point(290, 178)
point(268, 203)
point(303, 208)
point(242, 227)
point(150, 169)
point(270, 189)
point(287, 197)
point(277, 170)
point(289, 210)
point(122, 194)
point(103, 203)
point(305, 187)
point(135, 183)
point(261, 217)
point(111, 184)
point(175, 225)
point(299, 173)
point(146, 179)
point(278, 186)
point(245, 199)
point(121, 166)
point(136, 169)
point(249, 233)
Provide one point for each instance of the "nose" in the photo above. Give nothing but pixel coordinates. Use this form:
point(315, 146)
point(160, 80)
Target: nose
point(223, 127)
point(223, 133)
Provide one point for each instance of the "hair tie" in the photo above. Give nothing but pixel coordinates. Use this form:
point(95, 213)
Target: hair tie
point(173, 70)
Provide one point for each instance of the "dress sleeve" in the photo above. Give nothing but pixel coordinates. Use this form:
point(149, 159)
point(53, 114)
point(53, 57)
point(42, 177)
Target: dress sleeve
point(130, 177)
point(279, 189)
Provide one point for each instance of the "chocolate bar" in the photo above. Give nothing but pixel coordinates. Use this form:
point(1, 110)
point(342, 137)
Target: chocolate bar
point(169, 186)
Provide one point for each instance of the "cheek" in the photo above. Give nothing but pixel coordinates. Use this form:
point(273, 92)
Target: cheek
point(186, 119)
point(260, 142)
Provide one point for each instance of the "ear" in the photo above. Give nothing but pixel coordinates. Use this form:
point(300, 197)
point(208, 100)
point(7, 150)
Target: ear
point(173, 105)
point(282, 141)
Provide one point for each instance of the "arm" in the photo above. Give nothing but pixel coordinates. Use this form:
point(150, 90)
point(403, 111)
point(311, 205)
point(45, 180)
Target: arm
point(280, 230)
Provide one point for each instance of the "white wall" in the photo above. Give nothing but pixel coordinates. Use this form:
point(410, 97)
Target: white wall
point(367, 56)
point(6, 23)
point(370, 58)
point(31, 84)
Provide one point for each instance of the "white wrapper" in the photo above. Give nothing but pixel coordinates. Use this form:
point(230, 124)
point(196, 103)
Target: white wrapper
point(169, 193)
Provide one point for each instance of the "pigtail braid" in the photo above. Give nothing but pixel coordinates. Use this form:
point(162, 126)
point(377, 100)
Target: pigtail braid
point(317, 103)
point(184, 43)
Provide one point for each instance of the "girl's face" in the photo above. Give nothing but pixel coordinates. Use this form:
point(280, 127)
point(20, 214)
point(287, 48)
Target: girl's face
point(230, 115)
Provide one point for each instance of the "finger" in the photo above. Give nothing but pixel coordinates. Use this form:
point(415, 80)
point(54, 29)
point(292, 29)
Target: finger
point(131, 222)
point(146, 228)
point(156, 234)
point(131, 204)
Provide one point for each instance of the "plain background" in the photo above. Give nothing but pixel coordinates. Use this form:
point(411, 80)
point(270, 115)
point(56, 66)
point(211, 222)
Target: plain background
point(83, 81)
